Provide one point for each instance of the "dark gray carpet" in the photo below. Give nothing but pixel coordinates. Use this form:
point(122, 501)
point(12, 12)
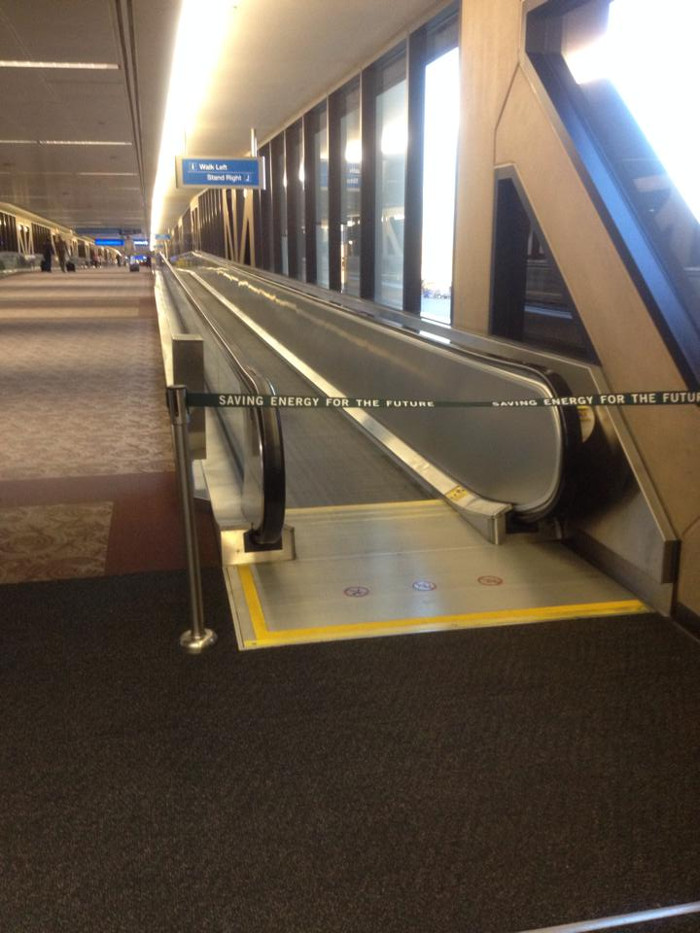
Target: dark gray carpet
point(479, 781)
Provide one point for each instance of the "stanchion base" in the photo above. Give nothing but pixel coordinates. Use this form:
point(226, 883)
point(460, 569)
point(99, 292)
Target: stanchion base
point(193, 644)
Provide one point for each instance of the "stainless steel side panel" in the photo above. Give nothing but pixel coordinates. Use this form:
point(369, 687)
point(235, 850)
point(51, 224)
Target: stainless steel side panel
point(510, 455)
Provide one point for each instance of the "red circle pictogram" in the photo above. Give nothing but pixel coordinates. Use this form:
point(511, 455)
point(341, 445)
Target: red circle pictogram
point(489, 580)
point(356, 591)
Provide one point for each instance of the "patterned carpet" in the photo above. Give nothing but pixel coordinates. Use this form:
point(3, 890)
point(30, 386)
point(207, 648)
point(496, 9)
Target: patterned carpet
point(83, 398)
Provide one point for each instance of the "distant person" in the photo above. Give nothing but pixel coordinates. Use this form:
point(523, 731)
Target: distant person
point(47, 253)
point(61, 251)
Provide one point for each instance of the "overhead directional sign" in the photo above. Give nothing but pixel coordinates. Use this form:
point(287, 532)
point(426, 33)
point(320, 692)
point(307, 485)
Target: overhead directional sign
point(207, 172)
point(109, 241)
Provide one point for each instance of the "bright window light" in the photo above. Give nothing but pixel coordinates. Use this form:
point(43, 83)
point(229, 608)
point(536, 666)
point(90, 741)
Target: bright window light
point(649, 52)
point(394, 138)
point(198, 49)
point(96, 66)
point(439, 183)
point(353, 151)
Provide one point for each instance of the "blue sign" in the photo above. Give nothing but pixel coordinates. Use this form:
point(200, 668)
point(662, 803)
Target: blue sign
point(109, 241)
point(219, 173)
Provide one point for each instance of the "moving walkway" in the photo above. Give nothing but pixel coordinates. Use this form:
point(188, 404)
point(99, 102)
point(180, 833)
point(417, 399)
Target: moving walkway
point(380, 542)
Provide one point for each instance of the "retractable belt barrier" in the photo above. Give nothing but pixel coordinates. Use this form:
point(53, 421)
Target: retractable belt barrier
point(179, 399)
point(609, 399)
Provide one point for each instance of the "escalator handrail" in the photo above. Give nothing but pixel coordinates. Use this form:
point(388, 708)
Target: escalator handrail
point(269, 447)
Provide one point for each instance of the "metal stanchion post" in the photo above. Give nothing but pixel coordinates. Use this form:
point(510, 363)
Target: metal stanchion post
point(198, 638)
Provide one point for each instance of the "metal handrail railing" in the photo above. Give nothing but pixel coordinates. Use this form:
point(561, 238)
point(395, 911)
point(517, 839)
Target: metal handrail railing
point(260, 456)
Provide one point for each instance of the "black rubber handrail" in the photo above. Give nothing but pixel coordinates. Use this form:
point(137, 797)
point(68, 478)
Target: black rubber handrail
point(265, 452)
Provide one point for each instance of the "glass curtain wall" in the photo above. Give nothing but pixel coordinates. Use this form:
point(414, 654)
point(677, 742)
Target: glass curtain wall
point(350, 188)
point(440, 139)
point(391, 121)
point(296, 220)
point(623, 77)
point(320, 180)
point(8, 233)
point(279, 206)
point(348, 205)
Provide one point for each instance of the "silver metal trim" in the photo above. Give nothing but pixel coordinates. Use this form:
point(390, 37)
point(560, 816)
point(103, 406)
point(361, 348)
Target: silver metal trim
point(621, 920)
point(486, 516)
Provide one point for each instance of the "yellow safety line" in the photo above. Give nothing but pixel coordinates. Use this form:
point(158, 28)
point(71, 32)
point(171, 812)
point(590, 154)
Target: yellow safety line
point(263, 636)
point(366, 506)
point(250, 591)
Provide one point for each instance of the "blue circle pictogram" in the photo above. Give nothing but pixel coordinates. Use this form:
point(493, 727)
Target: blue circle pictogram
point(424, 586)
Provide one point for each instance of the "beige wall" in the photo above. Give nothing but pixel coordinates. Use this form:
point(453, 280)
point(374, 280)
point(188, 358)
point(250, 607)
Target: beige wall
point(505, 121)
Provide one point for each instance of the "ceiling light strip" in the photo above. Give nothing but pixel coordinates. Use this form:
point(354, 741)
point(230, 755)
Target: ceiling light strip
point(65, 142)
point(83, 142)
point(85, 66)
point(196, 55)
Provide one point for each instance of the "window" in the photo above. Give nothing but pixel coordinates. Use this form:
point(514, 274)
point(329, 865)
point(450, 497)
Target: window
point(391, 141)
point(8, 233)
point(350, 188)
point(440, 139)
point(319, 129)
point(530, 301)
point(279, 206)
point(622, 75)
point(296, 219)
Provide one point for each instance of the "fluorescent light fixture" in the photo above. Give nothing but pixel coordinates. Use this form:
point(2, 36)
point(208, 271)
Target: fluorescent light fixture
point(660, 98)
point(64, 142)
point(82, 142)
point(85, 66)
point(197, 52)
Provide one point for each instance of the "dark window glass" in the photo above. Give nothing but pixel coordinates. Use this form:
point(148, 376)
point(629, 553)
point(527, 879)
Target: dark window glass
point(530, 301)
point(296, 221)
point(350, 188)
point(320, 166)
point(279, 206)
point(267, 234)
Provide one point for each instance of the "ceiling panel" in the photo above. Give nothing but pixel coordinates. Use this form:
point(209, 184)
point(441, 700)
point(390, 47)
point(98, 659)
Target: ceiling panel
point(280, 57)
point(58, 30)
